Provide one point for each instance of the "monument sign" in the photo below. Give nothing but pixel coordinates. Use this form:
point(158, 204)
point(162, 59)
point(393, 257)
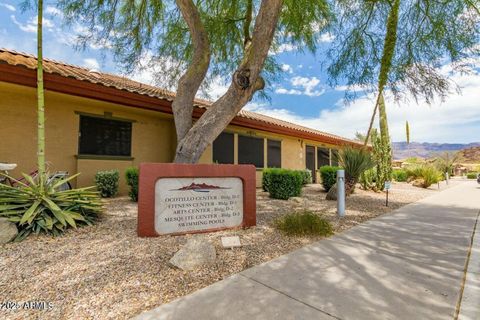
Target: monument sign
point(184, 198)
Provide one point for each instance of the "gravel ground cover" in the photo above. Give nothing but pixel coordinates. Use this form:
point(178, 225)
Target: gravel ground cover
point(107, 272)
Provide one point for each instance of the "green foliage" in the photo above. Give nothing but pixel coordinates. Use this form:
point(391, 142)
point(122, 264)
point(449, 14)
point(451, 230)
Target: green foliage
point(472, 175)
point(144, 33)
point(413, 160)
point(266, 177)
point(428, 174)
point(107, 183)
point(283, 183)
point(446, 160)
point(37, 207)
point(382, 157)
point(329, 176)
point(400, 175)
point(304, 223)
point(429, 32)
point(306, 176)
point(354, 161)
point(367, 179)
point(131, 175)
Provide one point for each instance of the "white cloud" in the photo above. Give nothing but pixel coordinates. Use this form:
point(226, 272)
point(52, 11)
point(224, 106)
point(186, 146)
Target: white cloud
point(53, 11)
point(303, 86)
point(284, 47)
point(8, 6)
point(91, 64)
point(455, 120)
point(285, 91)
point(31, 25)
point(327, 37)
point(286, 68)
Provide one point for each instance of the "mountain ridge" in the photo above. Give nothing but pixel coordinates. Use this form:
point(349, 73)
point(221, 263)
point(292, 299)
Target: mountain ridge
point(402, 150)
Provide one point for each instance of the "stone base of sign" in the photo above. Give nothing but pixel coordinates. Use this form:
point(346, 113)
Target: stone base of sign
point(178, 199)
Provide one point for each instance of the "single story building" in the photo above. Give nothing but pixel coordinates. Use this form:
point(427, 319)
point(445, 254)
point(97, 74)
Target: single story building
point(99, 121)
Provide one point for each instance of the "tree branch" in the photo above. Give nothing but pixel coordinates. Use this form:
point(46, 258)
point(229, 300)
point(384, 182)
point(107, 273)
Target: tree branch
point(222, 111)
point(191, 80)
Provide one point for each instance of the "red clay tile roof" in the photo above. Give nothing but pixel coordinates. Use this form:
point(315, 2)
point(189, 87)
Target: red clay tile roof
point(29, 61)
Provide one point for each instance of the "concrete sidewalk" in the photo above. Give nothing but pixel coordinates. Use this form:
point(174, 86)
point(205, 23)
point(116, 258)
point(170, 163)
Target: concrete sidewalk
point(409, 264)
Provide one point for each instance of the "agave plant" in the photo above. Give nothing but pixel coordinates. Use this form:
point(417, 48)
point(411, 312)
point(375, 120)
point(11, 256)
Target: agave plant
point(38, 206)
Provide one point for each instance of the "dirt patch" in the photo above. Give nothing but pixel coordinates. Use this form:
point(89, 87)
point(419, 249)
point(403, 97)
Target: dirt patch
point(106, 272)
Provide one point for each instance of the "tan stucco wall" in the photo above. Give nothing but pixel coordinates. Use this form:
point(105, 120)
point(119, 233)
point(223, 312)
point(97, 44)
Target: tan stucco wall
point(153, 135)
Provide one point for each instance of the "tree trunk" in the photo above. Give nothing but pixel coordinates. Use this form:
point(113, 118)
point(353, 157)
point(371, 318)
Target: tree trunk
point(245, 82)
point(189, 83)
point(40, 96)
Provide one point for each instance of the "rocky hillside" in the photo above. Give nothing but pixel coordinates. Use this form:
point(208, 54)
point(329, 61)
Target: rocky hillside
point(470, 155)
point(402, 150)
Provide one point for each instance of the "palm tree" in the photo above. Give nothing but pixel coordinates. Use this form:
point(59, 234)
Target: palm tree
point(446, 160)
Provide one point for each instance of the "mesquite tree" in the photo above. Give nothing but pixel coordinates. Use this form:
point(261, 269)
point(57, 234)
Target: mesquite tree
point(400, 45)
point(195, 42)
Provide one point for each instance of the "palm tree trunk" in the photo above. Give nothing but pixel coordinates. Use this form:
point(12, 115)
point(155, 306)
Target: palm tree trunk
point(40, 96)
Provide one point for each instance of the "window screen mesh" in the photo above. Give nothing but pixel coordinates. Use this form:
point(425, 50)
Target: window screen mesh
point(99, 136)
point(323, 157)
point(250, 151)
point(223, 149)
point(274, 154)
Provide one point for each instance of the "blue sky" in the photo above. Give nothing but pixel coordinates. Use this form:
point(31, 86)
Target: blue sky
point(301, 95)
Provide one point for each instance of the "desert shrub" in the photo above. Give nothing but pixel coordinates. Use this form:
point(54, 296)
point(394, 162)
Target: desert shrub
point(266, 176)
point(472, 175)
point(400, 175)
point(39, 207)
point(414, 172)
point(284, 183)
point(131, 175)
point(304, 223)
point(329, 176)
point(430, 175)
point(107, 183)
point(306, 176)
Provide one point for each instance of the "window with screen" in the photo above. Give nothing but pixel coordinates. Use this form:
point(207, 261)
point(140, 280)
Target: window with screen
point(223, 148)
point(104, 137)
point(274, 154)
point(323, 157)
point(334, 157)
point(250, 151)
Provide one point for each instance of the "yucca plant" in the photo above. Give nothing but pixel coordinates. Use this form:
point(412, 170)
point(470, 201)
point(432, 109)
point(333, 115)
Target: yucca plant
point(354, 161)
point(37, 206)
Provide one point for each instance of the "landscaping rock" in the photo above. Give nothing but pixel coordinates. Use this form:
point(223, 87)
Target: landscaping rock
point(8, 230)
point(231, 242)
point(418, 183)
point(332, 193)
point(195, 253)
